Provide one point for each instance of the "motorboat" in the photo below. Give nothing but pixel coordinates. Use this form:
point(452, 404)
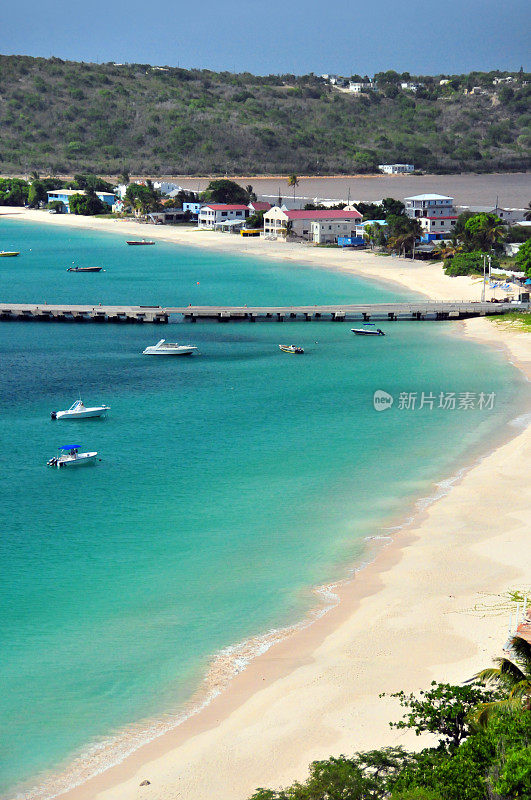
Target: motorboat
point(9, 253)
point(80, 411)
point(140, 241)
point(164, 348)
point(85, 269)
point(69, 456)
point(365, 332)
point(291, 348)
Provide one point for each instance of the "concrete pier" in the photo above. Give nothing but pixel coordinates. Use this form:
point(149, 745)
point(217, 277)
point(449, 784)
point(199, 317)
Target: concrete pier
point(387, 312)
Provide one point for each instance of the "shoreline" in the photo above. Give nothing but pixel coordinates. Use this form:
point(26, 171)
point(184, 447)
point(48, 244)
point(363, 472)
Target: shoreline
point(268, 708)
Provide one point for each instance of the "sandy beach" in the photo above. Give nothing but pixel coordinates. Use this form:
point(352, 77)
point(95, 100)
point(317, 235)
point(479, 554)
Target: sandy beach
point(425, 608)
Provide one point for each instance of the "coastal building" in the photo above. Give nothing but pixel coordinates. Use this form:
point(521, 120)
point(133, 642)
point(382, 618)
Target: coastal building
point(259, 205)
point(435, 212)
point(444, 81)
point(319, 226)
point(167, 187)
point(508, 215)
point(193, 208)
point(64, 195)
point(396, 169)
point(210, 215)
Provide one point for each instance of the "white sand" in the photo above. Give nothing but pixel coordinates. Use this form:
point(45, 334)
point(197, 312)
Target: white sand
point(414, 615)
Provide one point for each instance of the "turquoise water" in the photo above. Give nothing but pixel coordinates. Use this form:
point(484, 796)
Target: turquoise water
point(229, 483)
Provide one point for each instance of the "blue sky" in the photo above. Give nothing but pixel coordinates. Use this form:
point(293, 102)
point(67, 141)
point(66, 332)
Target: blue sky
point(276, 36)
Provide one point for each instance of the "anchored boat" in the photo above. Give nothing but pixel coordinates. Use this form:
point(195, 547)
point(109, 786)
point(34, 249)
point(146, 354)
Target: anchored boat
point(80, 411)
point(9, 253)
point(69, 456)
point(141, 241)
point(164, 348)
point(291, 348)
point(85, 269)
point(365, 332)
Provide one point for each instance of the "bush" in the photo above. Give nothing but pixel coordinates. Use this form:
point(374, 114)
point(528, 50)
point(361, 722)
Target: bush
point(468, 264)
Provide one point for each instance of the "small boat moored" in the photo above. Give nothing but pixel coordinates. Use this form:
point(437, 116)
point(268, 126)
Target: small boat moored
point(365, 332)
point(80, 411)
point(164, 348)
point(85, 269)
point(291, 348)
point(69, 456)
point(140, 241)
point(9, 253)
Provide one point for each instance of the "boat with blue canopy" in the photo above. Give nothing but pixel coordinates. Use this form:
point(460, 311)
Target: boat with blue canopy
point(69, 456)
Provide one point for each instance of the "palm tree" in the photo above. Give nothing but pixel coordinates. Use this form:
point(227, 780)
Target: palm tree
point(293, 181)
point(513, 678)
point(445, 250)
point(527, 215)
point(371, 233)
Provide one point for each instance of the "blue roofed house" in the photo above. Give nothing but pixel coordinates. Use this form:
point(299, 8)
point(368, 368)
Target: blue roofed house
point(64, 195)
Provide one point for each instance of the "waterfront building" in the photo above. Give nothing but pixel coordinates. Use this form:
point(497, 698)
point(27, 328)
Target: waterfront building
point(259, 205)
point(214, 213)
point(396, 169)
point(435, 212)
point(318, 226)
point(64, 195)
point(193, 208)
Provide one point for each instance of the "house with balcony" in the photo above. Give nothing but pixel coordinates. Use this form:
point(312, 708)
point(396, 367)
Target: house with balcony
point(435, 212)
point(216, 213)
point(318, 226)
point(64, 195)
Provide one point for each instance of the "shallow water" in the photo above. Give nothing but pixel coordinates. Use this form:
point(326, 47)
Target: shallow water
point(229, 483)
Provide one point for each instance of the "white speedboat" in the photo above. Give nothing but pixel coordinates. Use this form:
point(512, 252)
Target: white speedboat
point(164, 348)
point(365, 332)
point(69, 456)
point(80, 411)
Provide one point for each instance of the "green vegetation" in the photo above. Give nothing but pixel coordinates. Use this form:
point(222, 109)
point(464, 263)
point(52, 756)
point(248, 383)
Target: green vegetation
point(479, 756)
point(226, 191)
point(63, 117)
point(87, 205)
point(468, 263)
point(523, 258)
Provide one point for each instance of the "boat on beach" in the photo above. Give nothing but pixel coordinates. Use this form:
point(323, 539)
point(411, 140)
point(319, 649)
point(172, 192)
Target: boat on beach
point(69, 456)
point(139, 241)
point(164, 348)
point(291, 348)
point(85, 269)
point(365, 332)
point(80, 411)
point(9, 253)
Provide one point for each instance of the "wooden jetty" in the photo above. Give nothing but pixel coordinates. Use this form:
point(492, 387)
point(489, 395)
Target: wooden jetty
point(424, 310)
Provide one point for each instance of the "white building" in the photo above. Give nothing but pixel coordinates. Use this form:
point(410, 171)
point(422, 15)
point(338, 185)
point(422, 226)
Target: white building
point(444, 81)
point(216, 213)
point(407, 86)
point(165, 187)
point(318, 226)
point(357, 87)
point(396, 169)
point(508, 215)
point(435, 212)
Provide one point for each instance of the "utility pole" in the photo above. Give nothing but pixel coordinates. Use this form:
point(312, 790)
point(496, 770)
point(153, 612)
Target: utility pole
point(484, 276)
